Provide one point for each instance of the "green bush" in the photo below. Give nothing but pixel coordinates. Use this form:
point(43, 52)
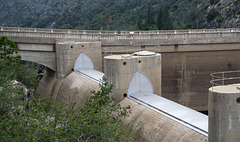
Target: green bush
point(212, 14)
point(213, 1)
point(219, 19)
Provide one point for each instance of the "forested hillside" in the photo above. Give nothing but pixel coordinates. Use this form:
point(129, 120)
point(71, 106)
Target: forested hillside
point(121, 14)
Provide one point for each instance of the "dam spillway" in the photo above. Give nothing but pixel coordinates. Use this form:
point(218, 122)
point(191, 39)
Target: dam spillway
point(155, 115)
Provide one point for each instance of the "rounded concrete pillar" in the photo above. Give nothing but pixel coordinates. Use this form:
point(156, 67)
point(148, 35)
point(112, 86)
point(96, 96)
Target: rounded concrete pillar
point(224, 114)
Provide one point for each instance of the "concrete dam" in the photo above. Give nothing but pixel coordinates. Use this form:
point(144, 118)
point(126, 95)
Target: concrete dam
point(162, 86)
point(188, 56)
point(137, 82)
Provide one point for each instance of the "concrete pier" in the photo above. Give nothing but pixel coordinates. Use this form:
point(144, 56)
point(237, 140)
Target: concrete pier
point(120, 69)
point(224, 114)
point(67, 53)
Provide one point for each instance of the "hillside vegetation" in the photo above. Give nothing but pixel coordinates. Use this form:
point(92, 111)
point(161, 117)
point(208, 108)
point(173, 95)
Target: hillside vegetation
point(121, 14)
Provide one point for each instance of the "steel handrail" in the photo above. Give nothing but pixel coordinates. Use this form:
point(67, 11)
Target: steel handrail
point(222, 77)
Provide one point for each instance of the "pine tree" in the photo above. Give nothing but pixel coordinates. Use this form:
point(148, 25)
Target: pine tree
point(8, 50)
point(166, 19)
point(150, 17)
point(160, 19)
point(163, 20)
point(139, 23)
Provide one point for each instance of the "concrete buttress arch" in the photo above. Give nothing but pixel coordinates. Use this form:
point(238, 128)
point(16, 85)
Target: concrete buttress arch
point(140, 83)
point(83, 62)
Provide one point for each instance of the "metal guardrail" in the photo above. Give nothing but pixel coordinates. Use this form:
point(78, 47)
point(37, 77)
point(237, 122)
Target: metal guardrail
point(225, 78)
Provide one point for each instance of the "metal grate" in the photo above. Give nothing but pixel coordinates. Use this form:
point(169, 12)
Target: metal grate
point(225, 78)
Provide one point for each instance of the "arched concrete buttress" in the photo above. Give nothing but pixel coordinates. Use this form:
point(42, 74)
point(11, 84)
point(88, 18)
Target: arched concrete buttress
point(140, 83)
point(83, 62)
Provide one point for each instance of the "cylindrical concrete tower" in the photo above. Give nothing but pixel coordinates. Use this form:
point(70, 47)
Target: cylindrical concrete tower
point(224, 114)
point(120, 69)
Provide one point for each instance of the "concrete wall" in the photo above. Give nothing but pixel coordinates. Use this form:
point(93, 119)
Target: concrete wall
point(155, 127)
point(35, 47)
point(120, 69)
point(186, 75)
point(67, 53)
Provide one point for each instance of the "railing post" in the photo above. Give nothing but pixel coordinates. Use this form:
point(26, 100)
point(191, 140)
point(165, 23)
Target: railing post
point(223, 78)
point(212, 80)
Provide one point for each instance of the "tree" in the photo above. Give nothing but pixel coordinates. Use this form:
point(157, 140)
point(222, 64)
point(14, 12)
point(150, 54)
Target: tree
point(213, 1)
point(146, 23)
point(11, 68)
point(10, 71)
point(160, 19)
point(65, 26)
point(142, 25)
point(193, 18)
point(150, 17)
point(168, 24)
point(8, 50)
point(102, 118)
point(163, 20)
point(212, 14)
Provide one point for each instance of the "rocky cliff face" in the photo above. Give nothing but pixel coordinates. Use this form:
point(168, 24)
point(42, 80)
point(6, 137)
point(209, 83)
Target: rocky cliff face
point(226, 1)
point(118, 14)
point(229, 14)
point(30, 12)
